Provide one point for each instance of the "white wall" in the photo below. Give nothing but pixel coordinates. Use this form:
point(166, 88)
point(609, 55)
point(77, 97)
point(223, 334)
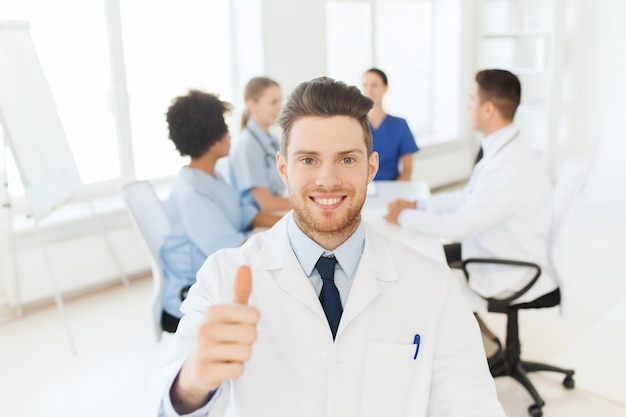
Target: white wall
point(295, 40)
point(70, 251)
point(597, 127)
point(78, 264)
point(247, 50)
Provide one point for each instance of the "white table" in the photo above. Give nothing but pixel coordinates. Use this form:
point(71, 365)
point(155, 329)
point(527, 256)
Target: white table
point(380, 194)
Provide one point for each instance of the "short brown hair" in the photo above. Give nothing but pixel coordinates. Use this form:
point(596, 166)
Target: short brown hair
point(502, 88)
point(325, 97)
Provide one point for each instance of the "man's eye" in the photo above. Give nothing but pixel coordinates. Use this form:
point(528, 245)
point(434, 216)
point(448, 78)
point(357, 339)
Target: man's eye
point(348, 160)
point(307, 161)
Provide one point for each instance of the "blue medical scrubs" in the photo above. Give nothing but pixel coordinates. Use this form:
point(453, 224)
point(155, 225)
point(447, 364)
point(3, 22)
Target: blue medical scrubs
point(253, 163)
point(392, 140)
point(205, 215)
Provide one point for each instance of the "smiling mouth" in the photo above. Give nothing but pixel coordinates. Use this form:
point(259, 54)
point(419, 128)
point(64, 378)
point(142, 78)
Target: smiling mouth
point(327, 202)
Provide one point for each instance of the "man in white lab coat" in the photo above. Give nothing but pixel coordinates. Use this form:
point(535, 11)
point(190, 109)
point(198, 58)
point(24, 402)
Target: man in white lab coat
point(503, 212)
point(259, 336)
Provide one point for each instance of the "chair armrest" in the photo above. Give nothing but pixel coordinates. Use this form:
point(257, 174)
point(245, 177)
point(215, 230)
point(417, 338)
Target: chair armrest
point(500, 304)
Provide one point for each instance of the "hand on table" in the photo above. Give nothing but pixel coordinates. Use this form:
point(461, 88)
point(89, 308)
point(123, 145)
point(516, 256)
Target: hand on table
point(395, 207)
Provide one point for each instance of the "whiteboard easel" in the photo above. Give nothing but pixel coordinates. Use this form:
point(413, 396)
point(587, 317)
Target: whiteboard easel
point(34, 133)
point(9, 261)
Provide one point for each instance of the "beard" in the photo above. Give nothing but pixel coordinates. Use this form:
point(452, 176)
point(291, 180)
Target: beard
point(328, 228)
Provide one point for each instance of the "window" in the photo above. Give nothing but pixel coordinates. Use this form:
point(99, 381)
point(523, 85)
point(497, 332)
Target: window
point(166, 51)
point(398, 37)
point(349, 40)
point(74, 55)
point(177, 46)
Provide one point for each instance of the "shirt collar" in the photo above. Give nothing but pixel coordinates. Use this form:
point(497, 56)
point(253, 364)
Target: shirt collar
point(497, 139)
point(202, 181)
point(308, 252)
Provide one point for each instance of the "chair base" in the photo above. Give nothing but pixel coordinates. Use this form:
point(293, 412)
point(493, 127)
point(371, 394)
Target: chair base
point(509, 362)
point(519, 371)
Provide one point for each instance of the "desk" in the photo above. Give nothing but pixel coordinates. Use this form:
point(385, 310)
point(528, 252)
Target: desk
point(380, 194)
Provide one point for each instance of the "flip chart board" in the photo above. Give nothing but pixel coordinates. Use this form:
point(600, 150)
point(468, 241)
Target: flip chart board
point(31, 123)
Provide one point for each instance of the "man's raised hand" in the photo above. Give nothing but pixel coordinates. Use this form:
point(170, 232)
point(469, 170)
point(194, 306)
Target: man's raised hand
point(224, 344)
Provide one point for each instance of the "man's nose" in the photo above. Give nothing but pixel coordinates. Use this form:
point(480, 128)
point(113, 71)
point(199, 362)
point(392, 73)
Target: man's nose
point(328, 176)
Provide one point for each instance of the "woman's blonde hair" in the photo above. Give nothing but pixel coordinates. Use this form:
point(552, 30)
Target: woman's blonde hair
point(254, 89)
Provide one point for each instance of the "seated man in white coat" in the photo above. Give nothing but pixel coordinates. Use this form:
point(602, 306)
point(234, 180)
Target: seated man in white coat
point(270, 329)
point(503, 212)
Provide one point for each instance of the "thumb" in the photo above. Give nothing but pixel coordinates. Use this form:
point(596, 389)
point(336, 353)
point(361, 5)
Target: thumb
point(243, 285)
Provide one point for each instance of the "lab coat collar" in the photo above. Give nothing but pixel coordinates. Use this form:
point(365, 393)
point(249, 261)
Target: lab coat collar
point(376, 257)
point(274, 247)
point(494, 142)
point(277, 257)
point(376, 266)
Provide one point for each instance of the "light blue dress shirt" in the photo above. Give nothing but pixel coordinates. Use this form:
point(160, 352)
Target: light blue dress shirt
point(253, 163)
point(205, 215)
point(348, 255)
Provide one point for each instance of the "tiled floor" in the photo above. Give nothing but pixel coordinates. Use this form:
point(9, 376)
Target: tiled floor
point(116, 353)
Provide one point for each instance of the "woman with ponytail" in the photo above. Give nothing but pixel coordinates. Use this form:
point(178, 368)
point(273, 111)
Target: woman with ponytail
point(253, 158)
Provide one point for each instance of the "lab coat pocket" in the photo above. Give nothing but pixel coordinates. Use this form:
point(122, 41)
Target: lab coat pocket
point(396, 380)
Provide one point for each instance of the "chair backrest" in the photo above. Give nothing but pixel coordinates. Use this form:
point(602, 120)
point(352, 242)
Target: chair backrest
point(569, 183)
point(148, 215)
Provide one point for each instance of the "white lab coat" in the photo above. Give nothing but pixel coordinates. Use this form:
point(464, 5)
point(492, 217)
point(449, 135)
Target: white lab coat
point(503, 212)
point(297, 370)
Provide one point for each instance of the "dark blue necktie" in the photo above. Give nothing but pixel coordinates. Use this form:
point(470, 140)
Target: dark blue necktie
point(329, 296)
point(479, 155)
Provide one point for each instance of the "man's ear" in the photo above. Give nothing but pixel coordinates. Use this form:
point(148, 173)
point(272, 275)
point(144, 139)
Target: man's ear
point(373, 166)
point(281, 167)
point(490, 108)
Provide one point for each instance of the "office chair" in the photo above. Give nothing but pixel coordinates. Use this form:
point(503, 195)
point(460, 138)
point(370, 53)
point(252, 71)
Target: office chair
point(148, 215)
point(570, 181)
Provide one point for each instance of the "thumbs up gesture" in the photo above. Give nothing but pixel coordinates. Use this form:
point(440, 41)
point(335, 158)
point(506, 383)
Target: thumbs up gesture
point(243, 285)
point(224, 344)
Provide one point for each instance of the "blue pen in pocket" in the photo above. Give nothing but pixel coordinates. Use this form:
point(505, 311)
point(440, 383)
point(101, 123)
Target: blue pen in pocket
point(416, 342)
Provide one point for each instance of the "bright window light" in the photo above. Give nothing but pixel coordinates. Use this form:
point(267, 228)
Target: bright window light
point(177, 46)
point(174, 47)
point(74, 56)
point(404, 50)
point(348, 40)
point(399, 37)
